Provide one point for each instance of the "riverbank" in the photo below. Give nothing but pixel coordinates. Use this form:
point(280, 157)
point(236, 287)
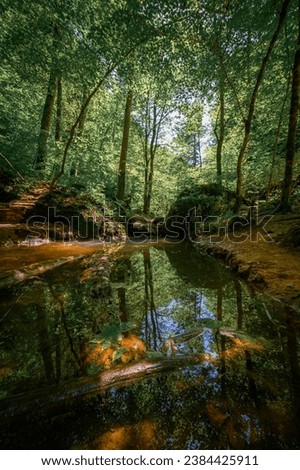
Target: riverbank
point(261, 259)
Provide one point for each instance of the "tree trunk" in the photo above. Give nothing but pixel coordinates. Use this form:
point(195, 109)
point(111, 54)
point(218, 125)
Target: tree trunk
point(124, 148)
point(58, 111)
point(277, 136)
point(76, 124)
point(199, 148)
point(221, 135)
point(46, 120)
point(149, 182)
point(82, 112)
point(82, 120)
point(291, 138)
point(146, 149)
point(49, 105)
point(15, 276)
point(73, 169)
point(249, 118)
point(150, 163)
point(47, 398)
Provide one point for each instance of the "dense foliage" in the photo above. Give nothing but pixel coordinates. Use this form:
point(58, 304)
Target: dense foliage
point(213, 88)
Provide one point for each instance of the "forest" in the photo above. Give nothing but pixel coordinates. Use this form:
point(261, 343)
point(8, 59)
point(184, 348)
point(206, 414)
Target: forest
point(150, 224)
point(139, 100)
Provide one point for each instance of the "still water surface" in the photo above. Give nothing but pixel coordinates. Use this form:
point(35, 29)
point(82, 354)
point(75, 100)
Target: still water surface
point(235, 384)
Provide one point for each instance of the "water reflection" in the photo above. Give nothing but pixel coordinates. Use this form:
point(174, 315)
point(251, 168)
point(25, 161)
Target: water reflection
point(237, 386)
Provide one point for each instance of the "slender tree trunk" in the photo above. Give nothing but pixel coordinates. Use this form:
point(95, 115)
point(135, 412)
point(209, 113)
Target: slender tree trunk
point(82, 120)
point(48, 105)
point(221, 136)
point(150, 163)
point(73, 169)
point(58, 127)
point(251, 109)
point(46, 119)
point(124, 148)
point(277, 136)
point(150, 182)
point(195, 150)
point(76, 124)
point(146, 149)
point(291, 138)
point(146, 179)
point(200, 151)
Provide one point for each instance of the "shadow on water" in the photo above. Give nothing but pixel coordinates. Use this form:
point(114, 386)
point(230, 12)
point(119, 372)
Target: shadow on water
point(222, 361)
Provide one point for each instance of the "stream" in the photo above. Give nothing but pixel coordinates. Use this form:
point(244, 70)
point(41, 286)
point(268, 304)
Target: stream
point(230, 376)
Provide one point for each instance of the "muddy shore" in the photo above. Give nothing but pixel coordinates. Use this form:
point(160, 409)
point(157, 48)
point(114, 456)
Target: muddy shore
point(262, 261)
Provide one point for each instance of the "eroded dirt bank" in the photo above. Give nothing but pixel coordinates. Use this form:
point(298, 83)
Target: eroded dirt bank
point(17, 257)
point(261, 260)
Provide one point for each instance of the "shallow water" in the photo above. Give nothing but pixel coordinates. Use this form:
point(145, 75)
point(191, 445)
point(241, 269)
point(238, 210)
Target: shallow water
point(242, 393)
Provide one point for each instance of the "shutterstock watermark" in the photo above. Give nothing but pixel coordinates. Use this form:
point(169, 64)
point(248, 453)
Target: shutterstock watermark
point(172, 229)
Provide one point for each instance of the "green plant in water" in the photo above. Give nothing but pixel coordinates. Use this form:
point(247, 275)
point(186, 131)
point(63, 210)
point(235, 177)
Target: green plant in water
point(111, 333)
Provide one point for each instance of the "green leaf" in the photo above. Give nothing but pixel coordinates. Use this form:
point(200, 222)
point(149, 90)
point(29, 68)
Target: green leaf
point(112, 332)
point(118, 353)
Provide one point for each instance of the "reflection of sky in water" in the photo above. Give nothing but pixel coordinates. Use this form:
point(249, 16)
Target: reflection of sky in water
point(168, 326)
point(247, 432)
point(165, 322)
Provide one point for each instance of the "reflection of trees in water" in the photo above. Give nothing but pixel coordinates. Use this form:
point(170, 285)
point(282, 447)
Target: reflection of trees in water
point(242, 404)
point(58, 321)
point(249, 372)
point(152, 331)
point(293, 353)
point(223, 342)
point(239, 303)
point(59, 306)
point(59, 329)
point(45, 346)
point(121, 272)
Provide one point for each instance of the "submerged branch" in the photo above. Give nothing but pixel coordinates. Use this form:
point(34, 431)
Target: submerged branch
point(11, 278)
point(119, 376)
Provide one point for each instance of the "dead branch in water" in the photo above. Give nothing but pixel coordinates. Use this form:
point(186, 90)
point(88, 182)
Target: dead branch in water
point(15, 276)
point(116, 377)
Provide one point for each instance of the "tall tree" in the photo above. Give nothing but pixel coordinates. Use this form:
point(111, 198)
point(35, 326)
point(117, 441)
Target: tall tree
point(154, 117)
point(293, 120)
point(49, 103)
point(249, 118)
point(220, 136)
point(59, 98)
point(124, 148)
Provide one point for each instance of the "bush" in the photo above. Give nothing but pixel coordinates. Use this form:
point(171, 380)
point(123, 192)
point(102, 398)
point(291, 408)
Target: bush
point(207, 200)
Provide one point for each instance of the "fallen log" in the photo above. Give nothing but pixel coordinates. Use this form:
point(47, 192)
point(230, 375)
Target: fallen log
point(56, 395)
point(15, 276)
